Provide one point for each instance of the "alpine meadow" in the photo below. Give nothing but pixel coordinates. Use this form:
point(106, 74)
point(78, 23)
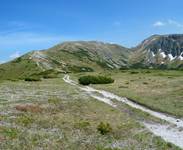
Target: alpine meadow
point(78, 89)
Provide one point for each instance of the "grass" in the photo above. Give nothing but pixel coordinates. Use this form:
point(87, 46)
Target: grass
point(158, 90)
point(54, 115)
point(8, 132)
point(18, 69)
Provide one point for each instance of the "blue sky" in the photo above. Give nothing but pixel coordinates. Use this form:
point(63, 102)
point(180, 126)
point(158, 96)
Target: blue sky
point(39, 24)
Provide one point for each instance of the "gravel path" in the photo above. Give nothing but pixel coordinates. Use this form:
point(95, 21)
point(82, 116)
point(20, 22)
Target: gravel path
point(172, 132)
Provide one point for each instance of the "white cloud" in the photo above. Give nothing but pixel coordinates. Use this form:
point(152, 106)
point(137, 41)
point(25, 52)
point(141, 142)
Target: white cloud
point(159, 24)
point(169, 22)
point(15, 55)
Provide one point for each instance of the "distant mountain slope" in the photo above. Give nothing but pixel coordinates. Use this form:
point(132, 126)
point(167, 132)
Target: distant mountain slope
point(18, 68)
point(79, 56)
point(90, 54)
point(159, 51)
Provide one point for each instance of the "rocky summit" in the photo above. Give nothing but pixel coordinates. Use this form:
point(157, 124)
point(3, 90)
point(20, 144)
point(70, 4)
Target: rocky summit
point(161, 51)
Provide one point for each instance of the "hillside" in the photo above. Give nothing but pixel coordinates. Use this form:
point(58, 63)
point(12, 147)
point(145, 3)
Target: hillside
point(159, 51)
point(89, 54)
point(79, 56)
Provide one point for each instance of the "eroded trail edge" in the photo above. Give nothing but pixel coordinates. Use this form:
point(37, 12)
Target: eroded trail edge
point(172, 132)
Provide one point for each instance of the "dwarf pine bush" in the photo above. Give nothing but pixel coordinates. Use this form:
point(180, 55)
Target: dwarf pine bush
point(104, 128)
point(86, 80)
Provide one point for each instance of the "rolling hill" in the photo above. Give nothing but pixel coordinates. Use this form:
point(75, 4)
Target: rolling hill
point(79, 56)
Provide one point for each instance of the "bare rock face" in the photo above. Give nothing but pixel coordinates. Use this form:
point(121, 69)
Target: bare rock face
point(159, 51)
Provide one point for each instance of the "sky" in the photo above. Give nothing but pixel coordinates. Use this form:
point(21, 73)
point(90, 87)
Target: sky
point(27, 25)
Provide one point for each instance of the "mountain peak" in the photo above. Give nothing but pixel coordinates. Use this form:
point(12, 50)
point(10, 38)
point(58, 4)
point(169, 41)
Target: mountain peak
point(157, 50)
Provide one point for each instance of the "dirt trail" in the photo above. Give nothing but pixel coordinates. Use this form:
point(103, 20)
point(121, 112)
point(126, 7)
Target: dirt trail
point(171, 133)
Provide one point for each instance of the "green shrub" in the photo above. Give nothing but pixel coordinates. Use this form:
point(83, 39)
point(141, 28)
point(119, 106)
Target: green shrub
point(169, 145)
point(49, 76)
point(148, 71)
point(30, 79)
point(17, 60)
point(86, 80)
point(76, 69)
point(134, 72)
point(51, 73)
point(104, 128)
point(145, 83)
point(127, 82)
point(124, 68)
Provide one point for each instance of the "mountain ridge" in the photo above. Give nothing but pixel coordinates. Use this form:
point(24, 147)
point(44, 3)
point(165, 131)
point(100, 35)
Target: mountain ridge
point(80, 56)
point(157, 51)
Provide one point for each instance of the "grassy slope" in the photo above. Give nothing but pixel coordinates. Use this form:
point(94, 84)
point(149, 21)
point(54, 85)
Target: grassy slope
point(65, 60)
point(18, 69)
point(159, 90)
point(63, 118)
point(79, 60)
point(90, 54)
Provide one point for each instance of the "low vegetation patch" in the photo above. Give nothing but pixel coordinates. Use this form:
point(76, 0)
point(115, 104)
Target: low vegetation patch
point(24, 120)
point(104, 128)
point(82, 125)
point(145, 83)
point(54, 101)
point(29, 108)
point(76, 69)
point(134, 72)
point(51, 73)
point(8, 132)
point(86, 80)
point(31, 79)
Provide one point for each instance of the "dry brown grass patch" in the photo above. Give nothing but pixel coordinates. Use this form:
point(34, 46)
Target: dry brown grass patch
point(29, 108)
